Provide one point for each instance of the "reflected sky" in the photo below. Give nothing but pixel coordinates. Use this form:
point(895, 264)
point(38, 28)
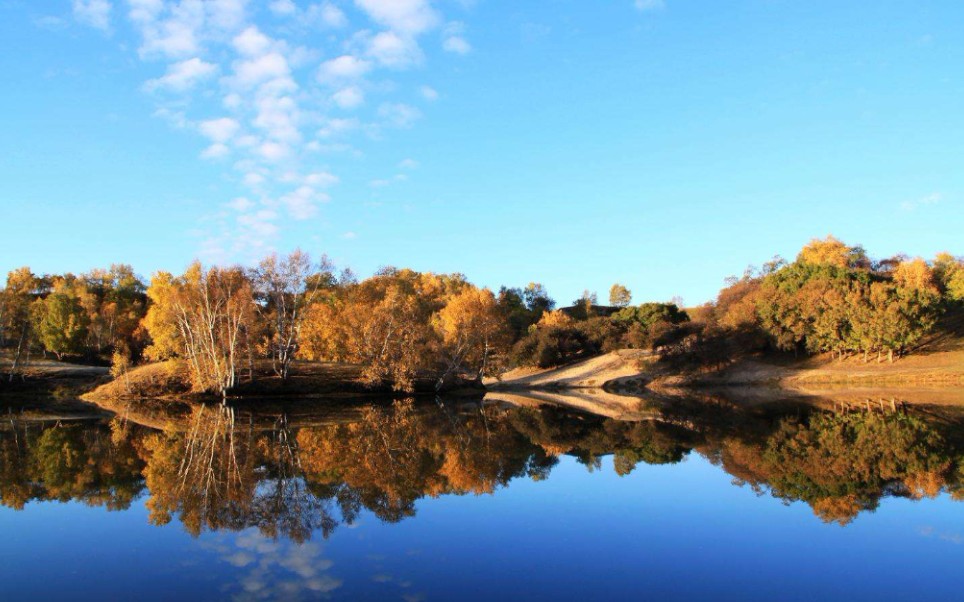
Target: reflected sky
point(675, 530)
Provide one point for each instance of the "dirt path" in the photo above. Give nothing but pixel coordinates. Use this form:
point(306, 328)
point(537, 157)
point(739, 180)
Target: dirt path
point(596, 372)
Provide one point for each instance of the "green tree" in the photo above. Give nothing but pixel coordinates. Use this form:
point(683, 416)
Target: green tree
point(537, 300)
point(61, 323)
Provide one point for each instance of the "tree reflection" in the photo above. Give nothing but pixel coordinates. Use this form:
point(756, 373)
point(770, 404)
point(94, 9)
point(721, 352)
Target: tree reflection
point(843, 463)
point(94, 463)
point(227, 471)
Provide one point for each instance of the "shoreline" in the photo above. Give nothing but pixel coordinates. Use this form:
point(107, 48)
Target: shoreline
point(628, 372)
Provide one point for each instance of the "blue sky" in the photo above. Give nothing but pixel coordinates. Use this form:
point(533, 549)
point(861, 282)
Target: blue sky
point(662, 144)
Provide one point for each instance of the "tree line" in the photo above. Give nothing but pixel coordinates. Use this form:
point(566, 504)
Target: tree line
point(219, 321)
point(400, 325)
point(834, 299)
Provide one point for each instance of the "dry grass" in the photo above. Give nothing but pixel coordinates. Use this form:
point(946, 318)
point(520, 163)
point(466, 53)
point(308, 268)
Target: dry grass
point(162, 379)
point(171, 380)
point(600, 371)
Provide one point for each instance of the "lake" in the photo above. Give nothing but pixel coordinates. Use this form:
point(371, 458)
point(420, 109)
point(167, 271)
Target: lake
point(516, 497)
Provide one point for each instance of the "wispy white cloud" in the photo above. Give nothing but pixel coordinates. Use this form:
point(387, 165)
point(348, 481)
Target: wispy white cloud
point(251, 42)
point(399, 114)
point(273, 151)
point(328, 14)
point(50, 22)
point(407, 17)
point(216, 151)
point(219, 130)
point(283, 7)
point(454, 40)
point(457, 45)
point(241, 204)
point(256, 70)
point(95, 13)
point(317, 15)
point(345, 67)
point(302, 203)
point(649, 5)
point(267, 94)
point(349, 97)
point(182, 76)
point(383, 182)
point(924, 201)
point(322, 179)
point(337, 126)
point(392, 50)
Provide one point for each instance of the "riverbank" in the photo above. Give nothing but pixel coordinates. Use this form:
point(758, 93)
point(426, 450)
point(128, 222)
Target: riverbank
point(47, 378)
point(627, 370)
point(171, 380)
point(622, 371)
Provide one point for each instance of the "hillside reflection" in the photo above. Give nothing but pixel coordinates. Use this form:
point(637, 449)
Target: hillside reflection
point(217, 468)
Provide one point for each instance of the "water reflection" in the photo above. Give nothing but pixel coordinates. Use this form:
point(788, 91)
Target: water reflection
point(275, 569)
point(270, 477)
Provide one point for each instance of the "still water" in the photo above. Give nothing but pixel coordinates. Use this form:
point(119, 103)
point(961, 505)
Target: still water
point(518, 499)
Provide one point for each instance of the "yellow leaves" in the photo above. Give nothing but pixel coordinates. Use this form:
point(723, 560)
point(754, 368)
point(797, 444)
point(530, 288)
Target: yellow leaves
point(925, 484)
point(322, 336)
point(620, 296)
point(830, 251)
point(200, 317)
point(161, 320)
point(471, 313)
point(949, 271)
point(915, 275)
point(736, 305)
point(471, 327)
point(400, 323)
point(554, 318)
point(841, 510)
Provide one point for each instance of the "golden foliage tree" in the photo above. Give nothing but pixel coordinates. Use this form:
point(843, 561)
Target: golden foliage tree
point(471, 327)
point(553, 318)
point(15, 323)
point(832, 251)
point(200, 317)
point(620, 296)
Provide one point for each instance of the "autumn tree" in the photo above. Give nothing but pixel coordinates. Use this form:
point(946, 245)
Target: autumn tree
point(949, 274)
point(286, 289)
point(620, 296)
point(200, 317)
point(554, 318)
point(832, 300)
point(383, 323)
point(471, 328)
point(831, 251)
point(21, 289)
point(115, 303)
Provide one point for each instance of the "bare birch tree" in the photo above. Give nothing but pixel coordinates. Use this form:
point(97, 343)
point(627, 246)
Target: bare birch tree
point(286, 288)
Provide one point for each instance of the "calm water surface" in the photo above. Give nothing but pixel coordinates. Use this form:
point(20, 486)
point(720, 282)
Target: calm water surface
point(413, 501)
